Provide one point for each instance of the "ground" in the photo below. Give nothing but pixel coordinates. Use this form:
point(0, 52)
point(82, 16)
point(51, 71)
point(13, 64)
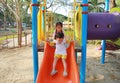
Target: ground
point(16, 65)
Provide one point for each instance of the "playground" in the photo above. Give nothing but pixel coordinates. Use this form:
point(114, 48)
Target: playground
point(60, 50)
point(16, 66)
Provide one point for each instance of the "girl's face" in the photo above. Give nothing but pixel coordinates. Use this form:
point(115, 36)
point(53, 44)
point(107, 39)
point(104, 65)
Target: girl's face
point(58, 28)
point(60, 40)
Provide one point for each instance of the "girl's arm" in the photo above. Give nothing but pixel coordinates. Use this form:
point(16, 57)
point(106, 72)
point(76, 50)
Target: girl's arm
point(53, 43)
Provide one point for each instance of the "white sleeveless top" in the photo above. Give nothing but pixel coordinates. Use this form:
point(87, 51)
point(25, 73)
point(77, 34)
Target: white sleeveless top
point(60, 47)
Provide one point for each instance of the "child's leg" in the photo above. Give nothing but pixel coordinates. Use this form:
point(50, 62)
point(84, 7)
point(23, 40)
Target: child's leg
point(54, 65)
point(65, 67)
point(64, 64)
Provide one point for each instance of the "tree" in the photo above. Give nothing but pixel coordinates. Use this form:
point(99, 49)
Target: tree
point(17, 7)
point(114, 6)
point(1, 15)
point(96, 6)
point(6, 16)
point(113, 3)
point(55, 5)
point(118, 3)
point(26, 18)
point(58, 17)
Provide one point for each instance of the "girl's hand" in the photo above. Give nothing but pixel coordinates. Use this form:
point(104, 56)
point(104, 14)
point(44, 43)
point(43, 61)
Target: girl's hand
point(52, 44)
point(67, 41)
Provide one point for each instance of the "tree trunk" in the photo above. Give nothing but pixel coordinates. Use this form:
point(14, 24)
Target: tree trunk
point(19, 27)
point(5, 20)
point(19, 24)
point(113, 3)
point(18, 15)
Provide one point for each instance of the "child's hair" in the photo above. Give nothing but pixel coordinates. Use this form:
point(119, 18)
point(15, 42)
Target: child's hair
point(59, 35)
point(59, 23)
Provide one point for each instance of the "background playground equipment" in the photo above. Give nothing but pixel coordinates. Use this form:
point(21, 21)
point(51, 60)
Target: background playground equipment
point(92, 27)
point(45, 22)
point(70, 28)
point(44, 33)
point(109, 28)
point(41, 22)
point(78, 23)
point(41, 16)
point(74, 25)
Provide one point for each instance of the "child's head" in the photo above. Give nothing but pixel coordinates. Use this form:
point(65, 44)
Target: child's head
point(59, 26)
point(60, 37)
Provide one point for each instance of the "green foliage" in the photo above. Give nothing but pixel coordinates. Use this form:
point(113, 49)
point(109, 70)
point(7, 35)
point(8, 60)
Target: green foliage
point(1, 13)
point(117, 42)
point(96, 6)
point(115, 9)
point(21, 5)
point(118, 3)
point(69, 33)
point(58, 17)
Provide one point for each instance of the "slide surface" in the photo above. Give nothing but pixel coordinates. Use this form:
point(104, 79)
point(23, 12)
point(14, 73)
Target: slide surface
point(46, 67)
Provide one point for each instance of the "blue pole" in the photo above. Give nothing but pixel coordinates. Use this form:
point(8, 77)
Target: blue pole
point(107, 5)
point(34, 39)
point(84, 42)
point(104, 41)
point(103, 51)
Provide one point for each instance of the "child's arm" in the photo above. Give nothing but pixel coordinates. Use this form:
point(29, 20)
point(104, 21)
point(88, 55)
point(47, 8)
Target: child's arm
point(53, 43)
point(67, 41)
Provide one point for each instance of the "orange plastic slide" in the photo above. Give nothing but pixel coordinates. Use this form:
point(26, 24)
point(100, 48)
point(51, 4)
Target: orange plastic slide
point(46, 67)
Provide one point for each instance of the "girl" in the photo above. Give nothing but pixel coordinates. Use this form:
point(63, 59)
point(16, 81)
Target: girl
point(61, 39)
point(60, 52)
point(58, 26)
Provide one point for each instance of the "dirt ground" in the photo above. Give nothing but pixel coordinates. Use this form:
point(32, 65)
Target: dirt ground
point(16, 66)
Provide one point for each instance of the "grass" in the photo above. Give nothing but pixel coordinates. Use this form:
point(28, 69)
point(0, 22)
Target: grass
point(8, 37)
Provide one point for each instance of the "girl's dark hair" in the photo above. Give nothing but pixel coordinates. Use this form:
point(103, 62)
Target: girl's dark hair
point(59, 35)
point(59, 23)
point(56, 33)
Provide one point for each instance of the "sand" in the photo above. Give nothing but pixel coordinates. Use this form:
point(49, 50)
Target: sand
point(16, 66)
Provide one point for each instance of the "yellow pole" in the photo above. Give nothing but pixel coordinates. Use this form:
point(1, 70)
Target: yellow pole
point(68, 34)
point(45, 19)
point(30, 8)
point(74, 5)
point(39, 17)
point(80, 25)
point(71, 20)
point(68, 21)
point(78, 22)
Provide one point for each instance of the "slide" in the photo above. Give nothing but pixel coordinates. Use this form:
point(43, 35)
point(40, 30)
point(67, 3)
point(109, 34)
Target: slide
point(46, 67)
